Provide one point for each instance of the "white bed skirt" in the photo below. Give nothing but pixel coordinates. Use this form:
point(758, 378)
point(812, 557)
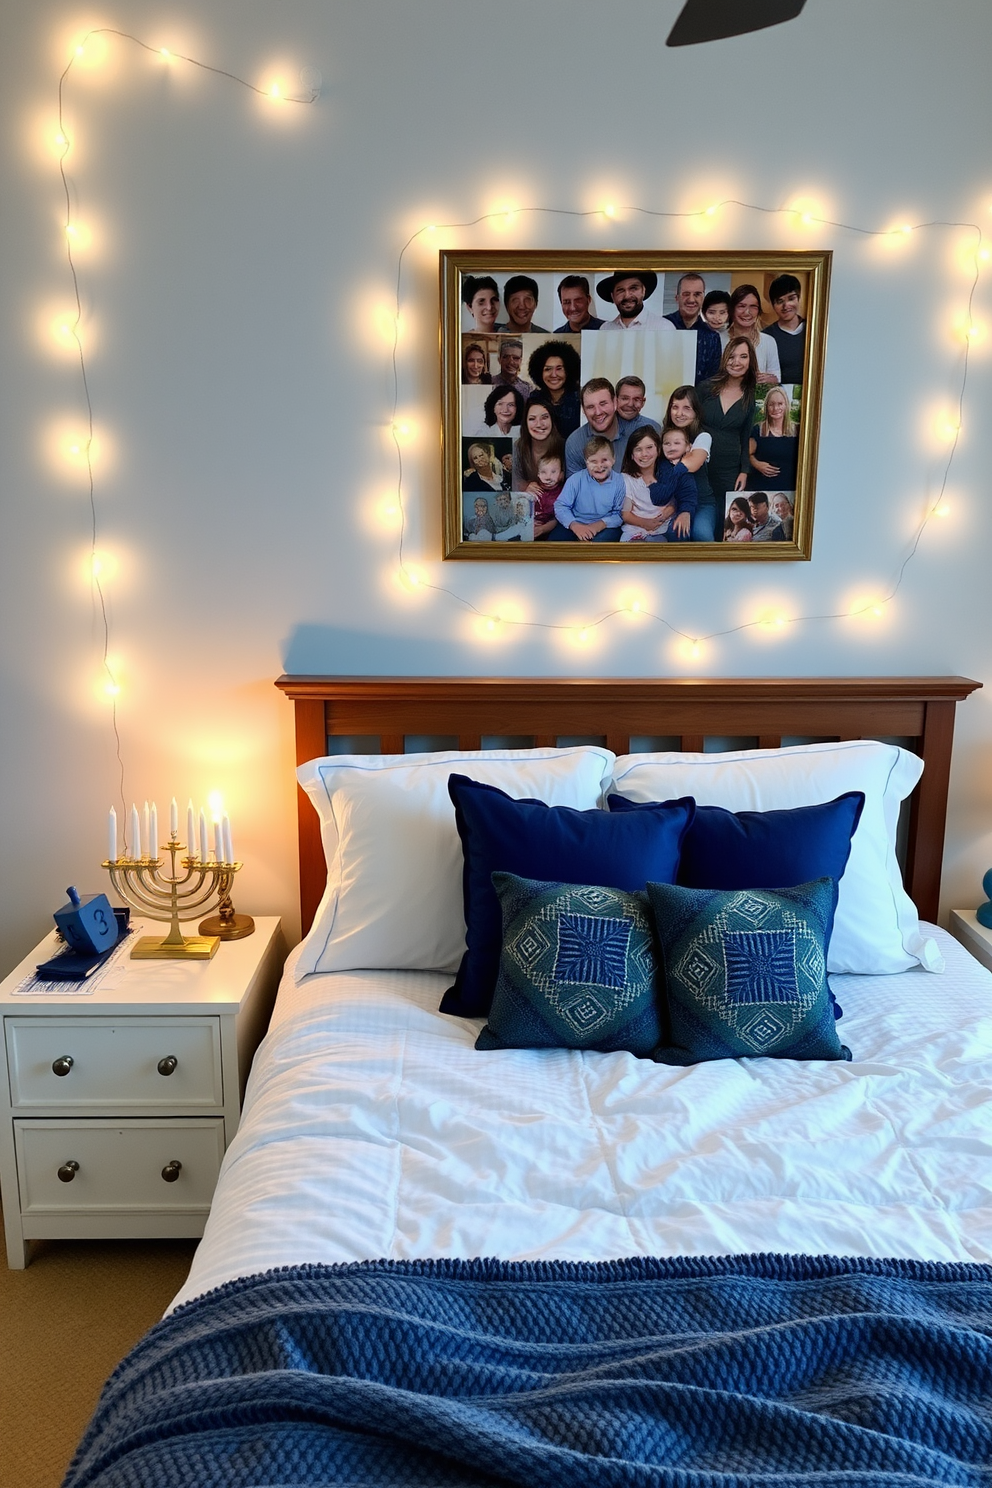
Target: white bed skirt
point(372, 1127)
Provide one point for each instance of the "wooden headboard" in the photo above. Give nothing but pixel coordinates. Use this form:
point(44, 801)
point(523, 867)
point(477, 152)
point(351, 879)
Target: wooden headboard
point(381, 713)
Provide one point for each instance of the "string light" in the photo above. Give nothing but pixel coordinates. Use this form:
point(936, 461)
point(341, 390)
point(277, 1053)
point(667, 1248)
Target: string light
point(91, 51)
point(778, 623)
point(403, 429)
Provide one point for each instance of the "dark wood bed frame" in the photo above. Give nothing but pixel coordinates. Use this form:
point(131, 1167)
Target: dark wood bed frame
point(383, 712)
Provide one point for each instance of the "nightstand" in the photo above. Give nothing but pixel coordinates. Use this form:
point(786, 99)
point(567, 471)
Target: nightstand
point(116, 1107)
point(974, 937)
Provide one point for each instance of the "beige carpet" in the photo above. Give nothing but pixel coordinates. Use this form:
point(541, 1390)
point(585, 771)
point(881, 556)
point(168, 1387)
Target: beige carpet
point(65, 1323)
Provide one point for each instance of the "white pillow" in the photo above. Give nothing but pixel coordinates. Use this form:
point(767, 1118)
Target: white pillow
point(876, 928)
point(394, 858)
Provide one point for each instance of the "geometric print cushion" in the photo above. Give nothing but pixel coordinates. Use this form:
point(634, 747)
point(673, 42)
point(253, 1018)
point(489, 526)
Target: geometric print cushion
point(745, 972)
point(578, 969)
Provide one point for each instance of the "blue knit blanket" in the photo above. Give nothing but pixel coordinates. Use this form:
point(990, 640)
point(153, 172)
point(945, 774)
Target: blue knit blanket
point(748, 1370)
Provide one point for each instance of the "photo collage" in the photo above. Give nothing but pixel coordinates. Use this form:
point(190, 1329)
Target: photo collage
point(634, 406)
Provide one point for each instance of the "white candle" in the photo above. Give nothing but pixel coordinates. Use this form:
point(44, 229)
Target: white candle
point(228, 846)
point(218, 843)
point(112, 836)
point(174, 818)
point(204, 849)
point(190, 834)
point(145, 830)
point(135, 832)
point(153, 832)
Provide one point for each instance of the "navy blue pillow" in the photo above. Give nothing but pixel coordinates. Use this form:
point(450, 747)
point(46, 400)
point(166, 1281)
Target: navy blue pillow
point(764, 849)
point(746, 972)
point(551, 843)
point(578, 970)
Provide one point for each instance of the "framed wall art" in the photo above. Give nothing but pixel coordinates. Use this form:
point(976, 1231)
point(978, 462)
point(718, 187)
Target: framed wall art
point(631, 405)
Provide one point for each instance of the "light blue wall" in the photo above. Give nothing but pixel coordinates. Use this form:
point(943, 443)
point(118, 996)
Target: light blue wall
point(242, 258)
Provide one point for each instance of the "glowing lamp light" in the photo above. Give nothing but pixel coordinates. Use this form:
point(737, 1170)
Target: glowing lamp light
point(942, 509)
point(410, 579)
point(983, 254)
point(609, 210)
point(906, 229)
point(710, 211)
point(215, 801)
point(112, 689)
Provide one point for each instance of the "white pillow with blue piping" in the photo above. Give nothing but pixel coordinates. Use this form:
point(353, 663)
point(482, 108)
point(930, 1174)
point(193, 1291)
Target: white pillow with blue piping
point(876, 927)
point(394, 857)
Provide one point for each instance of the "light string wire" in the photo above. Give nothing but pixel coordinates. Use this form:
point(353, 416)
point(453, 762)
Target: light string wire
point(695, 641)
point(69, 232)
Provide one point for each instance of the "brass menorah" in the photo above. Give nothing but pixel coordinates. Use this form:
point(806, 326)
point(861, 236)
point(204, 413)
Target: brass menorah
point(175, 896)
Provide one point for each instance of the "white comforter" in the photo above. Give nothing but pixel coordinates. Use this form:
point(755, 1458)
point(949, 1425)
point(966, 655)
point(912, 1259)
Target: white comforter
point(372, 1127)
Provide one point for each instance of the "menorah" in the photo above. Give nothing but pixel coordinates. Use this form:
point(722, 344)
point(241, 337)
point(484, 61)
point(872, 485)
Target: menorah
point(176, 896)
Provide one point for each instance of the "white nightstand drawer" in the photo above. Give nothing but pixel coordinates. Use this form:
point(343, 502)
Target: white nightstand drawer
point(169, 1062)
point(118, 1165)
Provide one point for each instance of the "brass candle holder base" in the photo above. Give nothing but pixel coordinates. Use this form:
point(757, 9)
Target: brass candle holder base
point(236, 928)
point(159, 948)
point(226, 923)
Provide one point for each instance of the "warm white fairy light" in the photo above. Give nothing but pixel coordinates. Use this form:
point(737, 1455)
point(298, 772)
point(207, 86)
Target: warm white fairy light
point(403, 429)
point(78, 449)
point(802, 215)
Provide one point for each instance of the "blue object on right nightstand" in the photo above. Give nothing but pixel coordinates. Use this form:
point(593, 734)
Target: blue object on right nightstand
point(983, 913)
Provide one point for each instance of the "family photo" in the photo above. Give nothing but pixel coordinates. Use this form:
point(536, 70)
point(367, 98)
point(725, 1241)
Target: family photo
point(651, 405)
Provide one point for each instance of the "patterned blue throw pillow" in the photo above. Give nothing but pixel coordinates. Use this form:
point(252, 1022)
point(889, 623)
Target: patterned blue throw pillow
point(577, 970)
point(745, 972)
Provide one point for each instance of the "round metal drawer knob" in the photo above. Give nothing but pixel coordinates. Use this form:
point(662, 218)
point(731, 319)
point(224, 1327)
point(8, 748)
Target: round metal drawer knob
point(171, 1171)
point(62, 1065)
point(68, 1171)
point(168, 1064)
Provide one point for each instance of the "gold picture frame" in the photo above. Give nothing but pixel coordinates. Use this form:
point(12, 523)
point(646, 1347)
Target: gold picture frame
point(499, 312)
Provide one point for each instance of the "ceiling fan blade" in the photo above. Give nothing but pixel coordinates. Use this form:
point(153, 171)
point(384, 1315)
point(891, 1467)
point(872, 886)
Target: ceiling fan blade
point(710, 20)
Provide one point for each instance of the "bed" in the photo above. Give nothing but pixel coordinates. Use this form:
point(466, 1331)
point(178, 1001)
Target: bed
point(431, 1264)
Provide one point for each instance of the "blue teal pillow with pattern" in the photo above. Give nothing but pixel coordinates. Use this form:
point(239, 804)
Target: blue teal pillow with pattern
point(746, 972)
point(577, 970)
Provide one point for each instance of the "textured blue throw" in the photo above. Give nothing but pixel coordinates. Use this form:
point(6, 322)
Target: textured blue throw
point(777, 1371)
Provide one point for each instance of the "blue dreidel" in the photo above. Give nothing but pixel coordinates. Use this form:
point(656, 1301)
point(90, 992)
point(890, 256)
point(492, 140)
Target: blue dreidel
point(87, 924)
point(983, 913)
